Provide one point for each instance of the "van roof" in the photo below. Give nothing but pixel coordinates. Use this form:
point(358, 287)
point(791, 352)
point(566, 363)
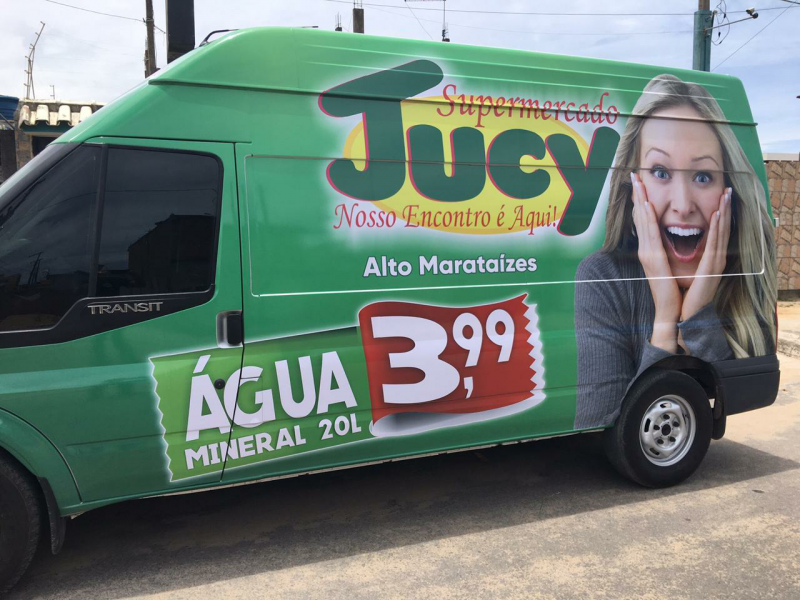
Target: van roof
point(218, 84)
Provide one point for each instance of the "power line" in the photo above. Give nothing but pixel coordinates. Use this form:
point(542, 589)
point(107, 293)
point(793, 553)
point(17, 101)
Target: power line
point(551, 33)
point(97, 12)
point(61, 71)
point(89, 60)
point(420, 22)
point(577, 33)
point(107, 49)
point(751, 39)
point(551, 14)
point(105, 14)
point(722, 21)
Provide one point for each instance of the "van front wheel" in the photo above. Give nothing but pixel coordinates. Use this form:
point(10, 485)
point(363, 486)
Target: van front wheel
point(20, 521)
point(663, 430)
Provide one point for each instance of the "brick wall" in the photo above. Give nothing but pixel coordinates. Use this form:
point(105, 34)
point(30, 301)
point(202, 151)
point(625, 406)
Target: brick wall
point(784, 193)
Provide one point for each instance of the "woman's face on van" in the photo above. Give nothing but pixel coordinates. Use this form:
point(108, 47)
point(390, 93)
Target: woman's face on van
point(681, 168)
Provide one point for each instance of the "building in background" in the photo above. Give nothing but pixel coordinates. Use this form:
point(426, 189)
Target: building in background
point(8, 156)
point(39, 122)
point(27, 126)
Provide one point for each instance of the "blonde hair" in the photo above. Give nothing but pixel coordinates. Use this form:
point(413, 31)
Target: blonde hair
point(748, 301)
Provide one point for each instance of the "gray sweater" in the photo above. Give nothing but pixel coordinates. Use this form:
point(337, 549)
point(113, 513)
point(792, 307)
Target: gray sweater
point(613, 327)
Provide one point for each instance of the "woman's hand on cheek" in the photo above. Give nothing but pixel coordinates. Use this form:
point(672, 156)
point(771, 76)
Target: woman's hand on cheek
point(653, 257)
point(712, 264)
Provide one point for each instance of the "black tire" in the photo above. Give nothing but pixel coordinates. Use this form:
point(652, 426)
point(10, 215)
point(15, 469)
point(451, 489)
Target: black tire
point(20, 521)
point(656, 457)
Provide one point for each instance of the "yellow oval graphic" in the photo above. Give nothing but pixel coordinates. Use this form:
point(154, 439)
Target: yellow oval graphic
point(491, 211)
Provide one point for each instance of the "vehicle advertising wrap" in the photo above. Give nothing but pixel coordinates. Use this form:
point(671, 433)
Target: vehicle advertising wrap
point(411, 368)
point(461, 237)
point(463, 162)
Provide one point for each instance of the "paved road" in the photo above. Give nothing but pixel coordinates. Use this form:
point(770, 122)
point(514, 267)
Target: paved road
point(542, 520)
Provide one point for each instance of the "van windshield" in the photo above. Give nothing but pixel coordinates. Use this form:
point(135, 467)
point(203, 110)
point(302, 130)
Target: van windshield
point(32, 170)
point(45, 237)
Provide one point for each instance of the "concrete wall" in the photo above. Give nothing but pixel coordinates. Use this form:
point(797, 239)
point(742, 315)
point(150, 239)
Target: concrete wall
point(24, 147)
point(783, 173)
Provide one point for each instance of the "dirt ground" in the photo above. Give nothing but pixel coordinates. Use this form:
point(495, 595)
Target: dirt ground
point(544, 520)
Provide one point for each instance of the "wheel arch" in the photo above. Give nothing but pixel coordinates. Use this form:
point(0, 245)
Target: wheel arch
point(39, 456)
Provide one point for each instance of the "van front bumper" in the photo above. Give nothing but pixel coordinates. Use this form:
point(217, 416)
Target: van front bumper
point(745, 384)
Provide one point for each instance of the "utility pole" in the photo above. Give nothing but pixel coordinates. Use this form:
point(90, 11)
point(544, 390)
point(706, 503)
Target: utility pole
point(30, 91)
point(445, 36)
point(358, 17)
point(150, 56)
point(703, 23)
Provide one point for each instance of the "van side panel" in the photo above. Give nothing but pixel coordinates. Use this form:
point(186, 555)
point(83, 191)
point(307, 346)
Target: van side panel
point(413, 219)
point(421, 227)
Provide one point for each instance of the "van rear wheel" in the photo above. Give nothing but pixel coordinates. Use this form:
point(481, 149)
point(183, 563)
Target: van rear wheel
point(663, 430)
point(20, 521)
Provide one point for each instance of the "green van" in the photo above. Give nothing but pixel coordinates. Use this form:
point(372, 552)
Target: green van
point(297, 250)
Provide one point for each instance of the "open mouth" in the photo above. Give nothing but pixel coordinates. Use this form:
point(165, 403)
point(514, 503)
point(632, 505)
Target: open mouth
point(685, 241)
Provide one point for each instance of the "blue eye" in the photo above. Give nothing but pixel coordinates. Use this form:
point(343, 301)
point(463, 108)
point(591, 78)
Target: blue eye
point(703, 177)
point(659, 172)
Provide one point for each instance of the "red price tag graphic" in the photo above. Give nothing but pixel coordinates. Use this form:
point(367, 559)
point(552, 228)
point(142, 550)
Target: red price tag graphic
point(434, 366)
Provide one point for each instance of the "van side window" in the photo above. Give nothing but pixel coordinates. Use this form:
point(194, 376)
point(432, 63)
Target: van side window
point(159, 223)
point(46, 243)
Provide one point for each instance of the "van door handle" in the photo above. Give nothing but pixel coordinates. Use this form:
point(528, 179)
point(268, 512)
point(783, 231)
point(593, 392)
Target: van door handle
point(230, 329)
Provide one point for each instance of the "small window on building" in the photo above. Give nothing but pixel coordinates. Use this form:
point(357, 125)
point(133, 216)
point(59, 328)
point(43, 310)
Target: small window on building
point(159, 223)
point(39, 143)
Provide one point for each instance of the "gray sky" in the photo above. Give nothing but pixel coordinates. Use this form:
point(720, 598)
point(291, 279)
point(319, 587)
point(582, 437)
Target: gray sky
point(88, 56)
